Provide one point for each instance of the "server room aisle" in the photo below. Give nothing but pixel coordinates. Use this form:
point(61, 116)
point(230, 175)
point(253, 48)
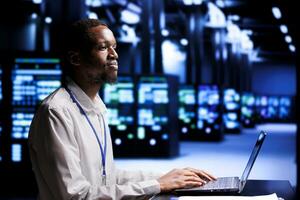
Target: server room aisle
point(277, 159)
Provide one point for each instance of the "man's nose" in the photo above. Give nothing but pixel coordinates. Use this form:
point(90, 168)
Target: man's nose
point(113, 53)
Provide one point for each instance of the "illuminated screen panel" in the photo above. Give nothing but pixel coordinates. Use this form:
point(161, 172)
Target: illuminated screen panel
point(21, 119)
point(268, 108)
point(187, 109)
point(208, 109)
point(231, 115)
point(247, 109)
point(153, 97)
point(33, 79)
point(153, 111)
point(208, 95)
point(285, 108)
point(261, 104)
point(273, 106)
point(120, 101)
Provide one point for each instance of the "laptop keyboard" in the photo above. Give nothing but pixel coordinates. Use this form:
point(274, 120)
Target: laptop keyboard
point(222, 183)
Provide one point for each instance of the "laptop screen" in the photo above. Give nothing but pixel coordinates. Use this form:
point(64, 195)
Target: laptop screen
point(252, 158)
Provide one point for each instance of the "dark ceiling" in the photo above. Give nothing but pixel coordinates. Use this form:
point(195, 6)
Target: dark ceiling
point(257, 16)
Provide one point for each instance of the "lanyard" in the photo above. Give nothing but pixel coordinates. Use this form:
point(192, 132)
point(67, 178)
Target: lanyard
point(102, 150)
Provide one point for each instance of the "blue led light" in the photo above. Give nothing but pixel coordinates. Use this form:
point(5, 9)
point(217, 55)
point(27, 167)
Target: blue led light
point(152, 142)
point(165, 136)
point(118, 141)
point(16, 150)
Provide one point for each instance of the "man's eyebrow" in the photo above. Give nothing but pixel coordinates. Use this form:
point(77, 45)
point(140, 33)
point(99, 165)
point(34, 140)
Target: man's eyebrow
point(106, 42)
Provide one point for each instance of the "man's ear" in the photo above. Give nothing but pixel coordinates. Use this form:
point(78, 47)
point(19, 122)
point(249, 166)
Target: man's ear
point(73, 57)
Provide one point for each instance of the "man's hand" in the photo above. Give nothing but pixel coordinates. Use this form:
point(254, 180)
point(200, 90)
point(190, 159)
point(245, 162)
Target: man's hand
point(183, 178)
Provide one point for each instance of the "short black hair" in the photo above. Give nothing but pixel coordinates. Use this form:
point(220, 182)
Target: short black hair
point(77, 37)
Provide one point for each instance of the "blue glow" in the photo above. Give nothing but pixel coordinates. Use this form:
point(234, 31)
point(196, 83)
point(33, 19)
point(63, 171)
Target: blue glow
point(197, 2)
point(231, 125)
point(200, 124)
point(288, 39)
point(134, 8)
point(165, 136)
point(187, 96)
point(165, 32)
point(292, 48)
point(16, 150)
point(34, 16)
point(184, 41)
point(37, 1)
point(208, 130)
point(93, 3)
point(220, 3)
point(273, 101)
point(216, 17)
point(188, 2)
point(231, 106)
point(248, 99)
point(234, 17)
point(283, 29)
point(276, 12)
point(232, 116)
point(92, 15)
point(231, 101)
point(48, 20)
point(129, 17)
point(208, 107)
point(187, 108)
point(174, 58)
point(208, 95)
point(285, 101)
point(152, 142)
point(21, 123)
point(141, 133)
point(156, 128)
point(118, 141)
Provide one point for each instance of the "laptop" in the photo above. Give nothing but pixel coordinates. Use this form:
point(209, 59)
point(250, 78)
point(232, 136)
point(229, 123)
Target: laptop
point(227, 185)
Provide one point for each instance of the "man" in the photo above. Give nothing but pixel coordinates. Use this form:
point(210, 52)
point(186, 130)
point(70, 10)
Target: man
point(69, 139)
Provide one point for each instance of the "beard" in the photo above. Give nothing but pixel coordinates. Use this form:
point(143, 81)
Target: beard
point(108, 75)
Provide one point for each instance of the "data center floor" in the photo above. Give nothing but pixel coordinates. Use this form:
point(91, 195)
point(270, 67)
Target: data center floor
point(277, 159)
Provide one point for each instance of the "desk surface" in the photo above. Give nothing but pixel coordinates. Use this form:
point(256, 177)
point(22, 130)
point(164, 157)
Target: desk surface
point(282, 188)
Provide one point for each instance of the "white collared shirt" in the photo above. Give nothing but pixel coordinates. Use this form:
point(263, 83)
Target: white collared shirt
point(66, 156)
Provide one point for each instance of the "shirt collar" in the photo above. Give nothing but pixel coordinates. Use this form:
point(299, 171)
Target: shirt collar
point(97, 106)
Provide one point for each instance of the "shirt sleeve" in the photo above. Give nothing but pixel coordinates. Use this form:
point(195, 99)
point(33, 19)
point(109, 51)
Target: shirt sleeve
point(124, 176)
point(56, 152)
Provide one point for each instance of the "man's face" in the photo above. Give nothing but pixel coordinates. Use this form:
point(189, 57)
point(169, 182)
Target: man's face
point(100, 65)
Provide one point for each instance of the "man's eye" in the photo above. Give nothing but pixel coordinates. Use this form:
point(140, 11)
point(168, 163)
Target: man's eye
point(102, 48)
